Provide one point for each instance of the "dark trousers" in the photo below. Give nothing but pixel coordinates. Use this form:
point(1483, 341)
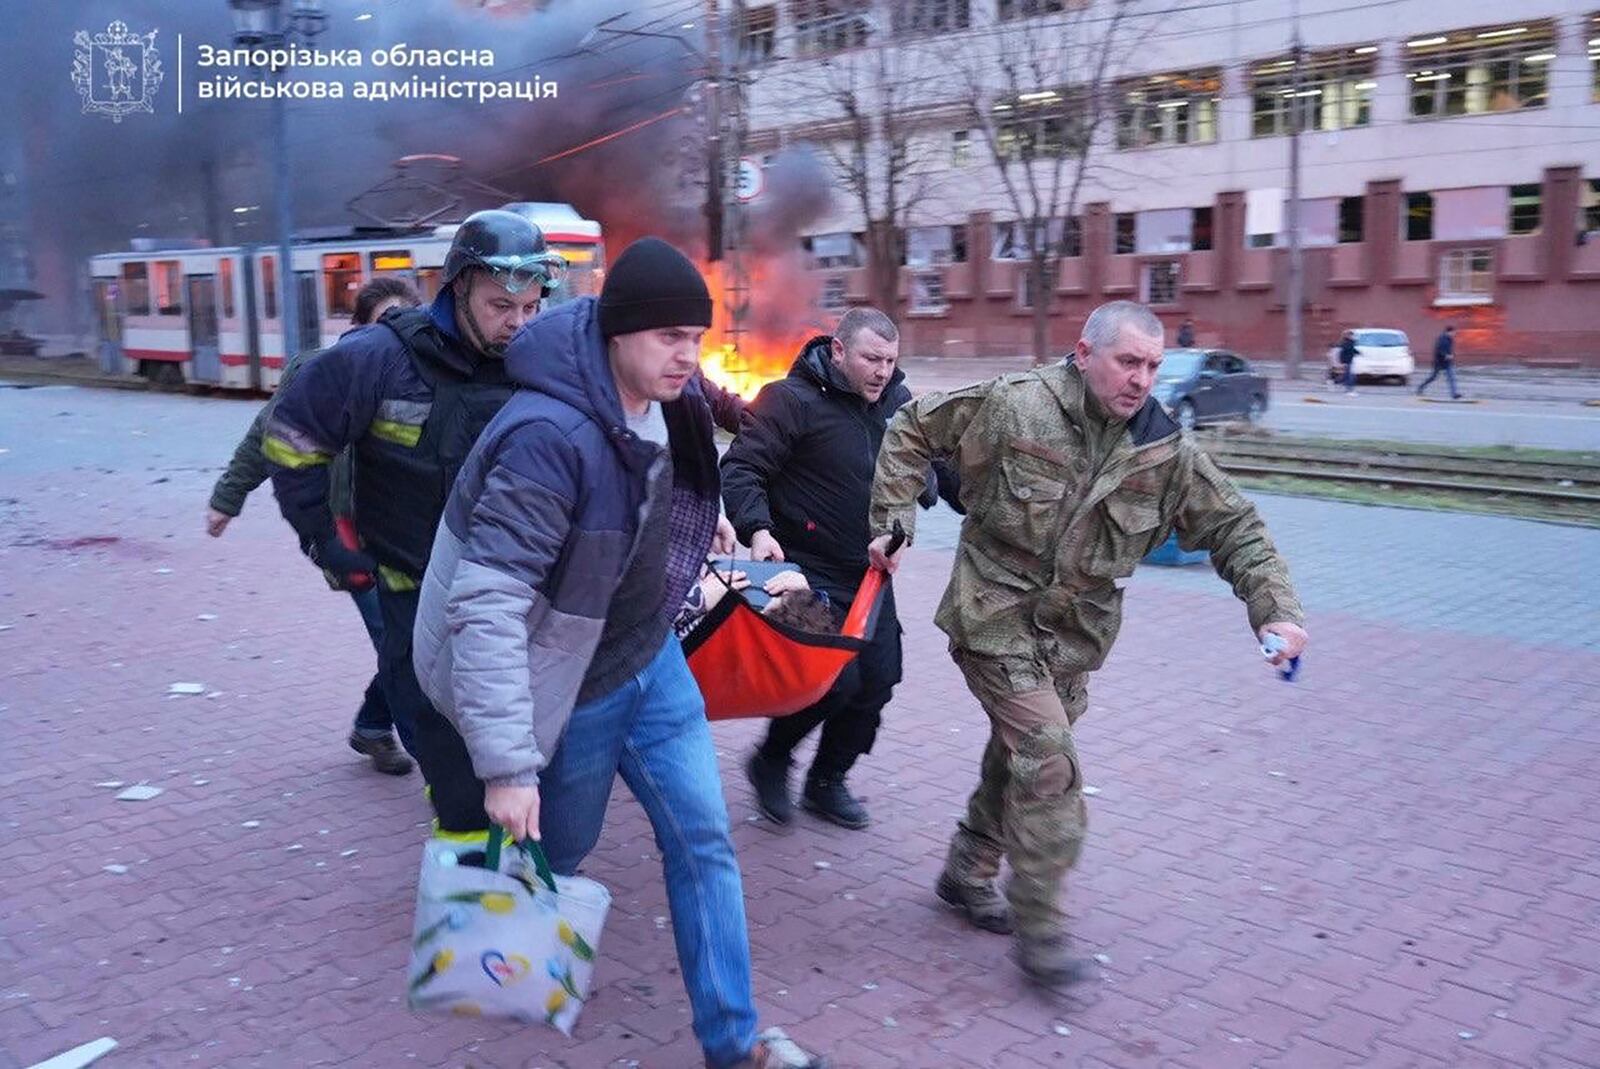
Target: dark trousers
point(373, 717)
point(453, 786)
point(851, 712)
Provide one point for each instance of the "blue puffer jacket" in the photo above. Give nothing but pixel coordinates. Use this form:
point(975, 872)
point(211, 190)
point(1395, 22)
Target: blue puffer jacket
point(539, 529)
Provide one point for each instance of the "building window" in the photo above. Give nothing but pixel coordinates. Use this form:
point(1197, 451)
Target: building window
point(1159, 282)
point(1469, 72)
point(1525, 202)
point(1352, 220)
point(832, 298)
point(225, 280)
point(927, 292)
point(758, 34)
point(1125, 232)
point(1027, 9)
point(929, 245)
point(136, 289)
point(1038, 124)
point(1169, 109)
point(823, 27)
point(1011, 240)
point(1202, 231)
point(1419, 217)
point(1335, 92)
point(166, 280)
point(1466, 276)
point(836, 250)
point(1594, 57)
point(341, 274)
point(1591, 206)
point(930, 16)
point(960, 148)
point(269, 287)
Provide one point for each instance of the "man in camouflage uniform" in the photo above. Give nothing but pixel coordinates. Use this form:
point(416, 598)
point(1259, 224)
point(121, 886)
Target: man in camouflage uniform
point(1070, 474)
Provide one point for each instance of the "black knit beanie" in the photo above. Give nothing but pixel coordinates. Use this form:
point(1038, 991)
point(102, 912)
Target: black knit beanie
point(653, 285)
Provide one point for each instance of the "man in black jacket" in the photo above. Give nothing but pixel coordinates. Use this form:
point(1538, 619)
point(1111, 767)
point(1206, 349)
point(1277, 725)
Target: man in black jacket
point(797, 482)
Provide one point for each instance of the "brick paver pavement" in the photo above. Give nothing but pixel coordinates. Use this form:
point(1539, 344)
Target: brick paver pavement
point(1392, 863)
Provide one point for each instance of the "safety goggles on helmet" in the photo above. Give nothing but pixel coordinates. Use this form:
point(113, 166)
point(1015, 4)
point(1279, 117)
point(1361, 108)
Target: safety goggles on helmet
point(517, 273)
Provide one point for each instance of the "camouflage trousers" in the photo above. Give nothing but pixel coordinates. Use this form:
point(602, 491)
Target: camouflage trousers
point(1029, 803)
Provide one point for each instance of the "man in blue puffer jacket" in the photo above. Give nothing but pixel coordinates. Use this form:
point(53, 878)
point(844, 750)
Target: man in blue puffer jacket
point(544, 631)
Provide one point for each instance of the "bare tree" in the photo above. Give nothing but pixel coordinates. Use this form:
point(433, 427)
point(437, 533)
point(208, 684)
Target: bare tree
point(862, 113)
point(1042, 94)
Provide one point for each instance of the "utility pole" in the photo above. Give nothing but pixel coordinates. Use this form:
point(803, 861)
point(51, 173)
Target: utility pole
point(716, 165)
point(736, 269)
point(1296, 296)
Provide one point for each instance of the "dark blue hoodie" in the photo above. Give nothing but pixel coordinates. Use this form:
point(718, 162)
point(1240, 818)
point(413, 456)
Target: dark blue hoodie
point(543, 527)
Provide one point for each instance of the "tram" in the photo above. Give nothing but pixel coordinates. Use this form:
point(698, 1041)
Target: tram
point(177, 314)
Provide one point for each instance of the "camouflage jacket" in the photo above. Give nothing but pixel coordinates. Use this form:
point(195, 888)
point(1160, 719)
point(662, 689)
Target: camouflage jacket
point(1062, 501)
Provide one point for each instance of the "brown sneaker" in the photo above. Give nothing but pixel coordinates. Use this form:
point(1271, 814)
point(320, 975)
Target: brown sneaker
point(980, 902)
point(1051, 963)
point(774, 1050)
point(387, 757)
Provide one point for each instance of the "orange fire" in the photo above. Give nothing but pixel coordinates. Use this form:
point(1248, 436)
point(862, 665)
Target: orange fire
point(770, 340)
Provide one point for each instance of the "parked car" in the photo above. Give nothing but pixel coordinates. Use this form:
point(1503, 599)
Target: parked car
point(1209, 386)
point(1381, 353)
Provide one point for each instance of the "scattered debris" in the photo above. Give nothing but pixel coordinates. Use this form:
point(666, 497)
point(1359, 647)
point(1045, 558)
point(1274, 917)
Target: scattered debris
point(206, 616)
point(822, 864)
point(1276, 773)
point(347, 853)
point(1091, 791)
point(294, 846)
point(201, 782)
point(186, 688)
point(890, 1022)
point(109, 783)
point(115, 870)
point(1062, 1030)
point(1103, 959)
point(139, 792)
point(251, 824)
point(869, 986)
point(163, 571)
point(1466, 1035)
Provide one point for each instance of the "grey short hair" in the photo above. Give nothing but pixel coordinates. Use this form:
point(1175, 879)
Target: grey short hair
point(856, 320)
point(1105, 323)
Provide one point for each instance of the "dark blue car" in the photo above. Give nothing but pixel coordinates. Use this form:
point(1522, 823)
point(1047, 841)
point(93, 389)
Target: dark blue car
point(1210, 386)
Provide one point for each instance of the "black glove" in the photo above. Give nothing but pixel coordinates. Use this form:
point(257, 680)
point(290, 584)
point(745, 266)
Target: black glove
point(350, 568)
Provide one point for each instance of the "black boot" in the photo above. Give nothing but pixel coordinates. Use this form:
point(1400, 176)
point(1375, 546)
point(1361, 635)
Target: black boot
point(771, 781)
point(387, 757)
point(828, 798)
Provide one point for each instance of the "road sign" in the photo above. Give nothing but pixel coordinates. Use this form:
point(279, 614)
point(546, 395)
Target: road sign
point(751, 180)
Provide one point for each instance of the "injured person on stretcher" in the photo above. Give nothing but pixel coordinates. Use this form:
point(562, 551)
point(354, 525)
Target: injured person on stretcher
point(789, 599)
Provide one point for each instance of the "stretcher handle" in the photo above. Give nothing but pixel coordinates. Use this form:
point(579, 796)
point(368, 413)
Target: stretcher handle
point(531, 847)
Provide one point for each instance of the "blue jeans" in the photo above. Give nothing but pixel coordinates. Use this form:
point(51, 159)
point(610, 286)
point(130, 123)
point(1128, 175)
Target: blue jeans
point(1449, 369)
point(653, 730)
point(373, 717)
point(1350, 375)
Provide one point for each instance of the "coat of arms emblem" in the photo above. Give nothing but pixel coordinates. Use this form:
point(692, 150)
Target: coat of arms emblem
point(117, 72)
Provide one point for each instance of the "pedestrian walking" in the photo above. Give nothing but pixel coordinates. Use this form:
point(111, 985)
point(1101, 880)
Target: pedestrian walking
point(1444, 362)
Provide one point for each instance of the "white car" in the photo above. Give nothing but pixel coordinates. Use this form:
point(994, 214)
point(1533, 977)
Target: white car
point(1381, 353)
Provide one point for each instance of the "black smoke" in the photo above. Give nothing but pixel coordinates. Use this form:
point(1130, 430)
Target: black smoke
point(90, 185)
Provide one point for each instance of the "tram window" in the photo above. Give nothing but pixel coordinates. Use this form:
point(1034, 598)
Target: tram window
point(269, 288)
point(428, 283)
point(225, 280)
point(136, 285)
point(341, 273)
point(165, 286)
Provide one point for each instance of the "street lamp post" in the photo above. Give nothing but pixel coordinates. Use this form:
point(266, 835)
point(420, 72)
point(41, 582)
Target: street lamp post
point(264, 23)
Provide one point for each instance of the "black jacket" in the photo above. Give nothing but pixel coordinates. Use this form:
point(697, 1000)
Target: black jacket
point(802, 467)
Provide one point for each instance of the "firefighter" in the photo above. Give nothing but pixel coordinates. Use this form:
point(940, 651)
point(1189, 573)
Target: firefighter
point(410, 396)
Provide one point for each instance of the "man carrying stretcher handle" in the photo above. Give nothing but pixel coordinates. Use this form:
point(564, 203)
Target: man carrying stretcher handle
point(544, 632)
point(1070, 474)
